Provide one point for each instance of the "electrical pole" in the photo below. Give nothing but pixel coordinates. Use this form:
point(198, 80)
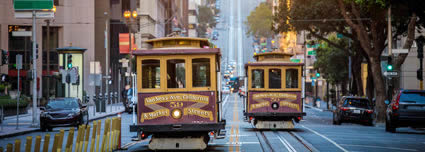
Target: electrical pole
point(106, 59)
point(34, 70)
point(420, 51)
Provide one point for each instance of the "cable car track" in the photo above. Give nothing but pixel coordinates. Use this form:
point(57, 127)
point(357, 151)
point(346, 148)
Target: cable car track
point(290, 146)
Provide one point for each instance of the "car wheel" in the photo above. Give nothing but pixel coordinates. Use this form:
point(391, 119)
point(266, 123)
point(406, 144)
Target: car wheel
point(389, 127)
point(43, 127)
point(333, 119)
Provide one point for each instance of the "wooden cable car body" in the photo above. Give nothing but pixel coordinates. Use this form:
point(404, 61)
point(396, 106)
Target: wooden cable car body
point(178, 97)
point(274, 99)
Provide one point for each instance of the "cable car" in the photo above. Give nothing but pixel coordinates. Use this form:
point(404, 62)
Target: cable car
point(274, 96)
point(178, 95)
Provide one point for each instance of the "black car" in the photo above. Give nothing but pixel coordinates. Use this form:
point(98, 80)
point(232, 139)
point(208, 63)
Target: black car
point(351, 108)
point(62, 112)
point(407, 109)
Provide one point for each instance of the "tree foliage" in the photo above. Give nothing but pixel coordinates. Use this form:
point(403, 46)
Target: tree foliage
point(206, 19)
point(332, 62)
point(260, 21)
point(364, 21)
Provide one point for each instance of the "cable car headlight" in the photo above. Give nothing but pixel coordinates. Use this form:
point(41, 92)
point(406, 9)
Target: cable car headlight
point(275, 106)
point(176, 113)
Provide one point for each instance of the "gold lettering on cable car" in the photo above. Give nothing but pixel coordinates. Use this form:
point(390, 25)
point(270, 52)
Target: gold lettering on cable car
point(176, 97)
point(155, 114)
point(198, 112)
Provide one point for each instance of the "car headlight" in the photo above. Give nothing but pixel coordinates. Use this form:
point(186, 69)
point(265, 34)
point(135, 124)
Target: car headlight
point(176, 113)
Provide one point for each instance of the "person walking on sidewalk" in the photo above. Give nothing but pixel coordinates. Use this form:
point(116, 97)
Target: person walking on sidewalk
point(124, 98)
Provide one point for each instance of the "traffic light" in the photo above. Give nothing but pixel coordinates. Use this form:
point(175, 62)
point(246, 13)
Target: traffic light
point(36, 51)
point(4, 57)
point(69, 61)
point(390, 64)
point(419, 74)
point(317, 74)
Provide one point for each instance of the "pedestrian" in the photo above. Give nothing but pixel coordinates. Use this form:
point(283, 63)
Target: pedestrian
point(124, 97)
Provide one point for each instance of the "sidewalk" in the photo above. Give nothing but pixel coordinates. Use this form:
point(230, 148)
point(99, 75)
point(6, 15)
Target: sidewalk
point(321, 106)
point(8, 126)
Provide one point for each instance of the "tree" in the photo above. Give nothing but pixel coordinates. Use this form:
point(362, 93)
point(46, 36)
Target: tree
point(260, 21)
point(364, 22)
point(206, 19)
point(332, 62)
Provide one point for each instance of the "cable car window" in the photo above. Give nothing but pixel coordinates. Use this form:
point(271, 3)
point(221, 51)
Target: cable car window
point(291, 78)
point(275, 78)
point(201, 72)
point(151, 76)
point(176, 77)
point(257, 78)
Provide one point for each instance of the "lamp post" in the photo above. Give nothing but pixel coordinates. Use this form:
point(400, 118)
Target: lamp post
point(129, 17)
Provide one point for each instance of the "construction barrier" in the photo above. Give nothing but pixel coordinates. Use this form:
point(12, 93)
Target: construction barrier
point(110, 141)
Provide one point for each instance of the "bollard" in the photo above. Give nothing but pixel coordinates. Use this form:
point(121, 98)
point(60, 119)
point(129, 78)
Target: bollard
point(37, 145)
point(55, 142)
point(77, 141)
point(112, 133)
point(81, 141)
point(119, 132)
point(60, 142)
point(46, 143)
point(99, 124)
point(9, 147)
point(93, 136)
point(17, 145)
point(105, 135)
point(28, 144)
point(86, 142)
point(68, 146)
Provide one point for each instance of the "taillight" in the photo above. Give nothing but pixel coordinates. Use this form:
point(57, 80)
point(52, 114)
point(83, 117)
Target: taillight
point(250, 118)
point(397, 102)
point(299, 118)
point(143, 135)
point(212, 133)
point(344, 108)
point(369, 111)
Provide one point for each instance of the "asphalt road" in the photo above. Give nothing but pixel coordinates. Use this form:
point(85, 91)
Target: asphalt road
point(314, 133)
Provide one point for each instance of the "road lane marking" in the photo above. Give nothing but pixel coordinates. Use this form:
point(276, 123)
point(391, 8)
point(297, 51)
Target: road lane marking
point(323, 136)
point(285, 143)
point(393, 148)
point(225, 100)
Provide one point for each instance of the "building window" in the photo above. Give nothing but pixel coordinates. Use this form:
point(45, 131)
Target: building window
point(291, 78)
point(201, 72)
point(53, 44)
point(275, 78)
point(176, 76)
point(20, 45)
point(257, 78)
point(151, 75)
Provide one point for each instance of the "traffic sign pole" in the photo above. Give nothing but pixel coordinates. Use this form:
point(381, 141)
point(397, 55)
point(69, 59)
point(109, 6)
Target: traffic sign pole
point(34, 68)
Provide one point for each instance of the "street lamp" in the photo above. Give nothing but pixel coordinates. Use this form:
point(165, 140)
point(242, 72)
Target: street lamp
point(129, 15)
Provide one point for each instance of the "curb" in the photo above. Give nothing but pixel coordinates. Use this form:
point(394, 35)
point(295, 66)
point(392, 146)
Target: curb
point(38, 129)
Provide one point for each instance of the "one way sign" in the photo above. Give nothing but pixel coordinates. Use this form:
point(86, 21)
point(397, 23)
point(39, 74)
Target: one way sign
point(391, 73)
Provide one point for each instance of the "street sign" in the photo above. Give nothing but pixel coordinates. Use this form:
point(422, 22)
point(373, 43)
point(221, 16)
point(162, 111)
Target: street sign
point(64, 73)
point(38, 15)
point(400, 51)
point(296, 60)
point(21, 33)
point(312, 52)
point(391, 73)
point(19, 62)
point(32, 4)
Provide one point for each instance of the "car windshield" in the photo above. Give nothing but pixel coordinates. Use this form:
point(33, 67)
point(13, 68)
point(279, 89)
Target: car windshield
point(62, 104)
point(413, 97)
point(358, 103)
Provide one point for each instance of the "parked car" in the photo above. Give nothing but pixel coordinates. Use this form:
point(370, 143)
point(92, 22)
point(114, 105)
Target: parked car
point(226, 90)
point(63, 112)
point(351, 108)
point(407, 109)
